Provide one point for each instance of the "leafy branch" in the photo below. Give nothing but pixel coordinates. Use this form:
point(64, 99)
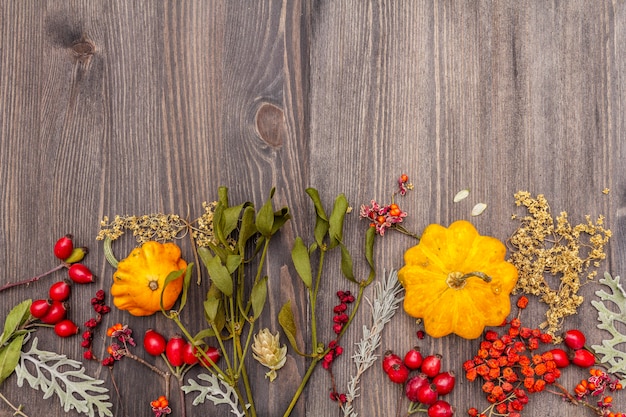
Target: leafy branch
point(56, 374)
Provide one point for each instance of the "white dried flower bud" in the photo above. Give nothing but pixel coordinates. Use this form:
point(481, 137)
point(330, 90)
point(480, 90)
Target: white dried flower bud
point(267, 350)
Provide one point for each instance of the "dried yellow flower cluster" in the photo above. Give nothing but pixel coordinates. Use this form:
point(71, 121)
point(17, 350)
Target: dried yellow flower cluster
point(541, 246)
point(160, 227)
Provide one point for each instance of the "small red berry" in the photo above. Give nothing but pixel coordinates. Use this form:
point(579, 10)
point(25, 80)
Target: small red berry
point(65, 328)
point(213, 354)
point(153, 342)
point(189, 354)
point(420, 334)
point(560, 358)
point(413, 358)
point(390, 359)
point(80, 274)
point(431, 365)
point(398, 373)
point(444, 382)
point(427, 394)
point(441, 408)
point(174, 350)
point(39, 308)
point(574, 339)
point(60, 291)
point(63, 247)
point(413, 384)
point(583, 358)
point(56, 313)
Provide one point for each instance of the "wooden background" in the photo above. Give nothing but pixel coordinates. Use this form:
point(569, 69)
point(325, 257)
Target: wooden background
point(133, 107)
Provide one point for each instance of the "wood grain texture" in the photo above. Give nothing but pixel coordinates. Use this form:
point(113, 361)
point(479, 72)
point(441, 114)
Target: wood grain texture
point(120, 107)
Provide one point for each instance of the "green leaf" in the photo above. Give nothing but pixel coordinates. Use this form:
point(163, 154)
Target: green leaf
point(218, 223)
point(219, 275)
point(16, 317)
point(233, 262)
point(317, 202)
point(222, 195)
point(258, 297)
point(302, 262)
point(370, 238)
point(10, 356)
point(321, 221)
point(288, 323)
point(231, 219)
point(280, 218)
point(174, 275)
point(211, 306)
point(346, 263)
point(265, 217)
point(336, 220)
point(247, 229)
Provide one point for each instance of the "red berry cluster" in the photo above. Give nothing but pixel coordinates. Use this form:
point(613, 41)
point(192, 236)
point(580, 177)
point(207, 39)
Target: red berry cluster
point(340, 319)
point(426, 386)
point(99, 307)
point(178, 352)
point(53, 310)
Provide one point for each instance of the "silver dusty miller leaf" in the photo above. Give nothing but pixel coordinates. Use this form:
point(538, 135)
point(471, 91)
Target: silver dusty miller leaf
point(608, 351)
point(56, 374)
point(217, 391)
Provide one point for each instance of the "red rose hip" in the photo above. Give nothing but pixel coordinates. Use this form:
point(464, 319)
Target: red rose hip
point(153, 342)
point(63, 247)
point(80, 274)
point(65, 328)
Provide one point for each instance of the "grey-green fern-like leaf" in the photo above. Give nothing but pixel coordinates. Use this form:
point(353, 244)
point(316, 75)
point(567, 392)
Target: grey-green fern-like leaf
point(217, 390)
point(611, 309)
point(53, 373)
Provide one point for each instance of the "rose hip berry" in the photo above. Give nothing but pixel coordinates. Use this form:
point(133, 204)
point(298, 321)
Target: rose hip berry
point(174, 350)
point(413, 384)
point(440, 408)
point(431, 365)
point(560, 358)
point(574, 339)
point(65, 328)
point(413, 359)
point(427, 394)
point(390, 359)
point(39, 308)
point(80, 274)
point(60, 291)
point(583, 358)
point(444, 382)
point(55, 313)
point(63, 247)
point(398, 373)
point(213, 354)
point(153, 342)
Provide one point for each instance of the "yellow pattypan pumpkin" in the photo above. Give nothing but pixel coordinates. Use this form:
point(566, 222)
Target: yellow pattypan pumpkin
point(457, 281)
point(139, 279)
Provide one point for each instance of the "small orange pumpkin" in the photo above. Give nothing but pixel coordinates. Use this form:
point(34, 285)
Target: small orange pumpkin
point(139, 279)
point(457, 281)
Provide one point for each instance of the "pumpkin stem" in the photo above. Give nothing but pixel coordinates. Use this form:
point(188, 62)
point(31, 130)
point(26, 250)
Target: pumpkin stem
point(108, 252)
point(153, 285)
point(457, 279)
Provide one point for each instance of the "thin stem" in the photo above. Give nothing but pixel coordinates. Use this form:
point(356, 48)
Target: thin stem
point(18, 410)
point(33, 279)
point(300, 389)
point(246, 381)
point(313, 298)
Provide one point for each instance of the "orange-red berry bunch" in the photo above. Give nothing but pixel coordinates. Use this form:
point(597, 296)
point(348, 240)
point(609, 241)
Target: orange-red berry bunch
point(383, 217)
point(160, 406)
point(595, 389)
point(511, 368)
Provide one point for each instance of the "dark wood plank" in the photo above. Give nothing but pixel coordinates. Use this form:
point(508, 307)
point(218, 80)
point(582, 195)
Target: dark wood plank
point(141, 107)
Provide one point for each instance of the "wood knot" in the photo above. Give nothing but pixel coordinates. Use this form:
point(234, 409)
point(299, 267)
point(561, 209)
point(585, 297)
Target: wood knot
point(83, 49)
point(270, 124)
